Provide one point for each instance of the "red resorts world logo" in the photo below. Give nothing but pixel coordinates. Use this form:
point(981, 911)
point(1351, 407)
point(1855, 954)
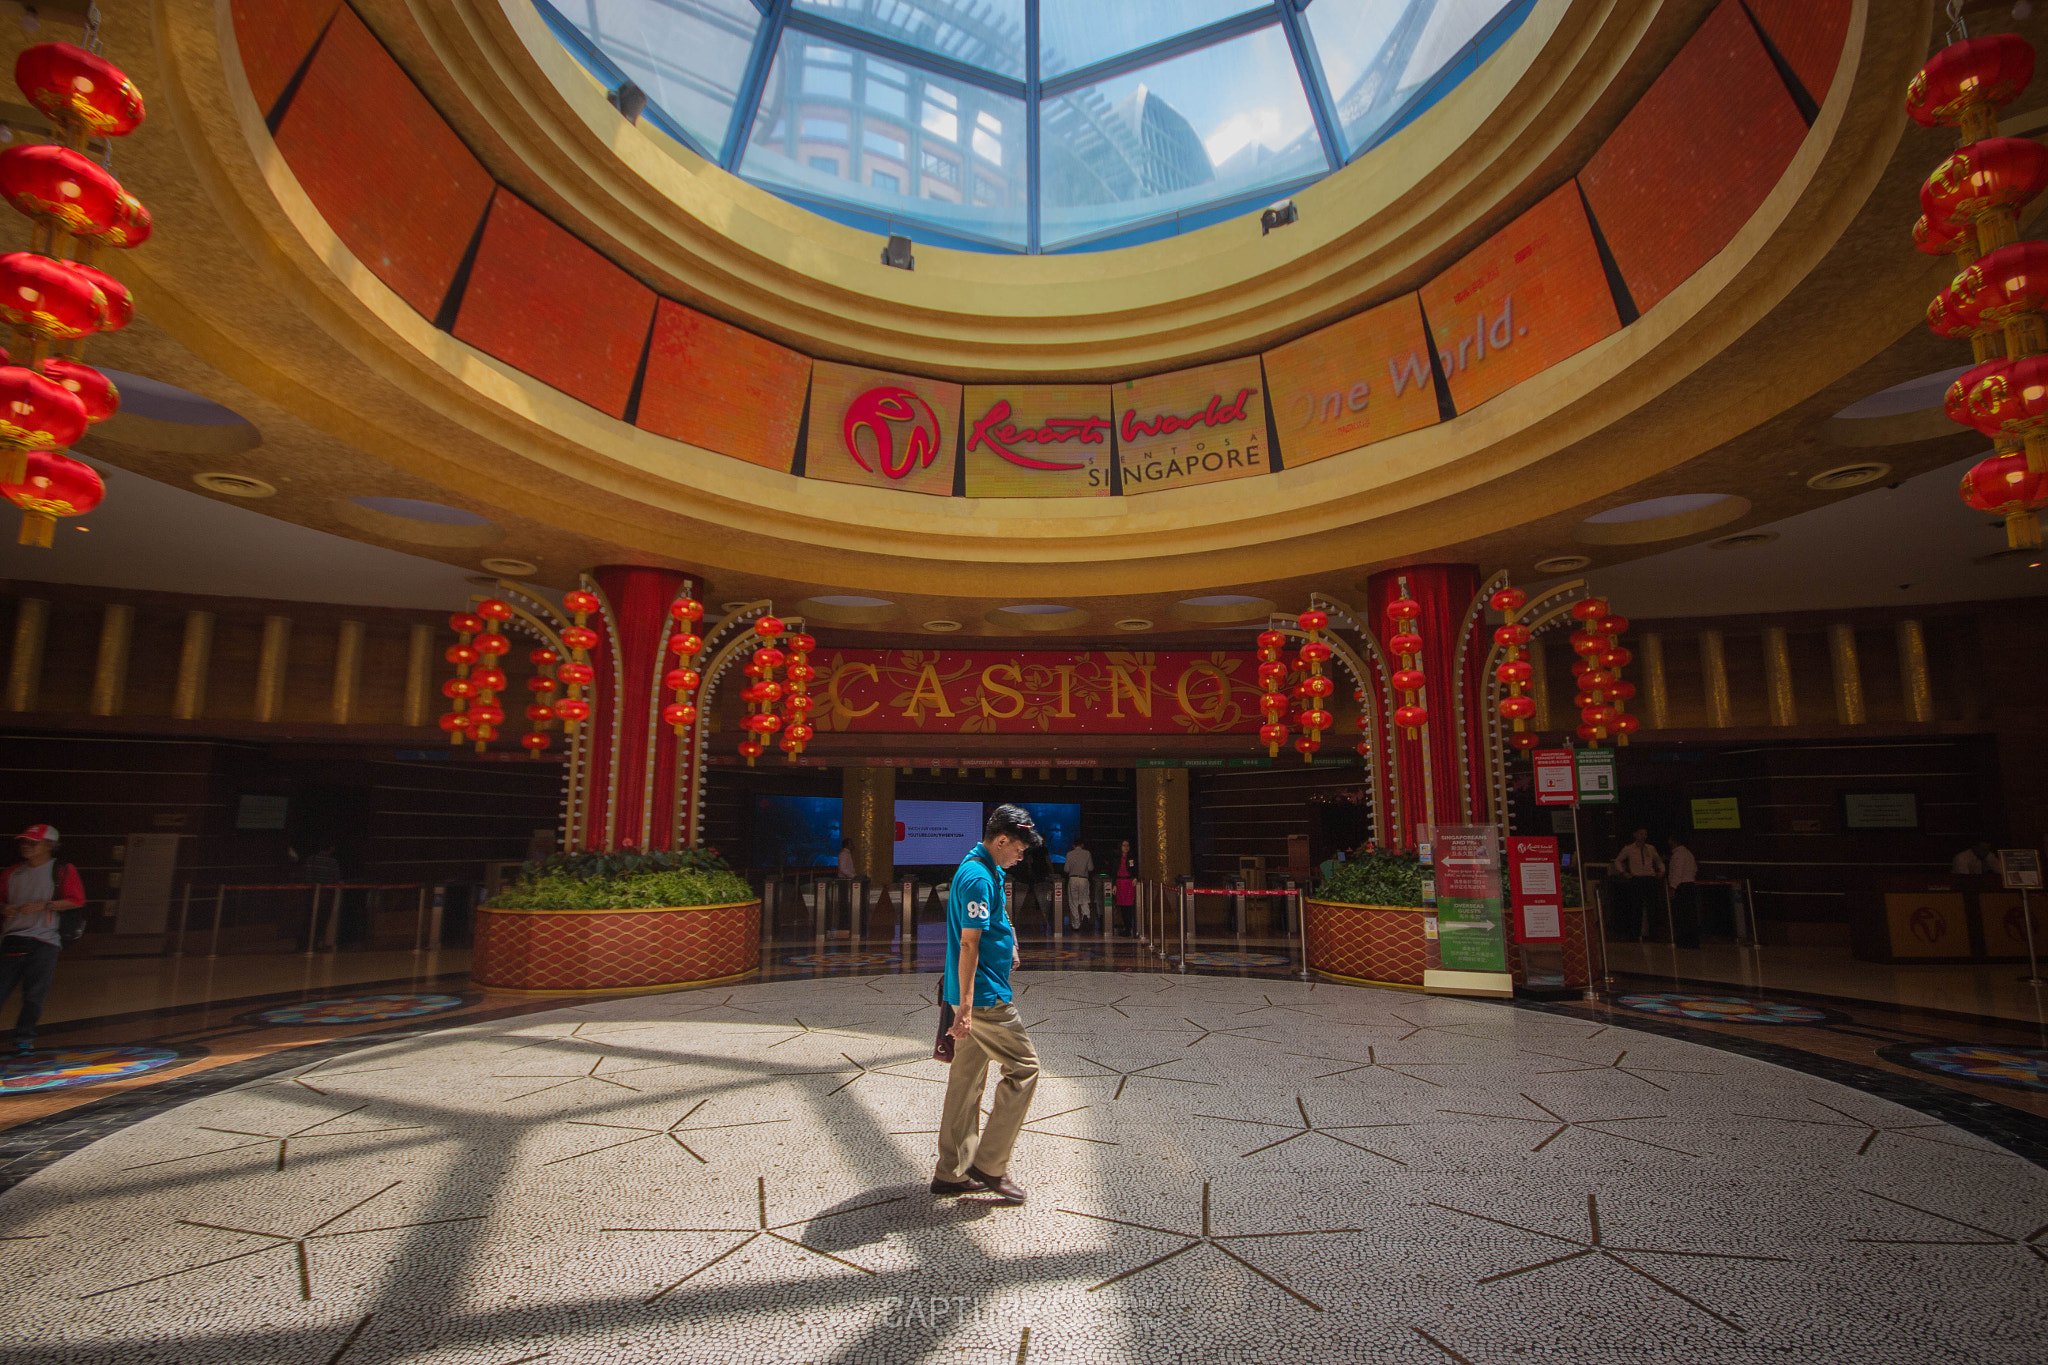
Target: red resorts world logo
point(876, 414)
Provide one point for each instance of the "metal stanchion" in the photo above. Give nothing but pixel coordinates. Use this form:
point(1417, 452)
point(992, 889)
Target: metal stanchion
point(439, 902)
point(2033, 977)
point(907, 915)
point(313, 924)
point(1296, 908)
point(184, 914)
point(220, 901)
point(819, 893)
point(419, 924)
point(1185, 898)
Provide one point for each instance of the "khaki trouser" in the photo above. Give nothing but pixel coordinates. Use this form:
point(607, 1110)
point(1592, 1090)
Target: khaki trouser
point(992, 1036)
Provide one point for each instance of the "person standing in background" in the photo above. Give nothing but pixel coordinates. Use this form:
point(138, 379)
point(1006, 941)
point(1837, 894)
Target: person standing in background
point(1978, 860)
point(39, 890)
point(1126, 888)
point(846, 859)
point(1683, 879)
point(1639, 864)
point(1034, 875)
point(1080, 867)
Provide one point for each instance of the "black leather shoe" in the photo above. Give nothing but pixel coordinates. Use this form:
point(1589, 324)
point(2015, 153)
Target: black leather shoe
point(952, 1187)
point(1010, 1190)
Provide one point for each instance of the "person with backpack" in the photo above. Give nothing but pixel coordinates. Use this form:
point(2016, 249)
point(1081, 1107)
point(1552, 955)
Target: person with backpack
point(39, 891)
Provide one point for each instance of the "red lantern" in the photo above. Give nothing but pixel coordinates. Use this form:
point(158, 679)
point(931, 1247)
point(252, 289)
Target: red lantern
point(749, 750)
point(1977, 72)
point(52, 486)
point(458, 687)
point(539, 712)
point(797, 702)
point(1954, 315)
point(682, 679)
point(573, 709)
point(2009, 397)
point(37, 413)
point(455, 721)
point(1320, 685)
point(577, 675)
point(117, 307)
point(1408, 680)
point(1272, 639)
point(541, 684)
point(94, 391)
point(1626, 724)
point(685, 644)
point(490, 713)
point(489, 679)
point(1405, 643)
point(1404, 609)
point(491, 609)
point(1517, 708)
point(536, 740)
point(80, 91)
point(2005, 485)
point(1508, 599)
point(1273, 704)
point(1941, 239)
point(768, 659)
point(131, 227)
point(1612, 625)
point(803, 732)
point(1525, 739)
point(1317, 719)
point(1589, 733)
point(1514, 671)
point(1622, 691)
point(801, 672)
point(1505, 636)
point(1315, 652)
point(459, 654)
point(61, 187)
point(2006, 282)
point(1272, 673)
point(1411, 717)
point(686, 609)
point(463, 623)
point(801, 644)
point(582, 603)
point(1312, 620)
point(1955, 403)
point(1272, 734)
point(543, 656)
point(1306, 746)
point(492, 643)
point(1996, 175)
point(51, 298)
point(679, 714)
point(1588, 642)
point(580, 637)
point(1594, 679)
point(1590, 609)
point(768, 627)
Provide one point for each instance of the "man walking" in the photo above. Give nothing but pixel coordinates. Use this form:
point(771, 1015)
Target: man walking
point(980, 950)
point(1685, 894)
point(39, 890)
point(1639, 863)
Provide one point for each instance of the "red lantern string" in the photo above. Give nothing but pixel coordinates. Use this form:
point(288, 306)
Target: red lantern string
point(1405, 644)
point(1315, 687)
point(1603, 695)
point(575, 674)
point(1272, 701)
point(1514, 672)
point(540, 711)
point(485, 712)
point(459, 689)
point(797, 730)
point(761, 695)
point(683, 679)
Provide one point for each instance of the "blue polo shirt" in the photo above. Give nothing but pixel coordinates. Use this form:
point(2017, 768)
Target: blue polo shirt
point(976, 902)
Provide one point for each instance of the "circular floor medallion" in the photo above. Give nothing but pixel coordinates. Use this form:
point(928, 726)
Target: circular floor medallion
point(1032, 957)
point(1230, 960)
point(60, 1068)
point(1726, 1009)
point(356, 1009)
point(841, 960)
point(2022, 1068)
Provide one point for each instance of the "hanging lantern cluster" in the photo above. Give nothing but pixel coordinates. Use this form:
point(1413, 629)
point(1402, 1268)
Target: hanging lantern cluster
point(1515, 671)
point(52, 295)
point(684, 679)
point(1997, 301)
point(485, 712)
point(1272, 700)
point(1314, 689)
point(540, 711)
point(460, 688)
point(575, 672)
point(1364, 726)
point(797, 729)
point(1603, 696)
point(1406, 646)
point(764, 691)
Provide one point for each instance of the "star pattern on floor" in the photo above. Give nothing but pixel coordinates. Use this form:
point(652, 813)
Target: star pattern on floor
point(1595, 1244)
point(763, 1228)
point(1308, 1127)
point(1121, 1005)
point(283, 1141)
point(2035, 1242)
point(574, 1035)
point(298, 1078)
point(1563, 1125)
point(1415, 1026)
point(1203, 1033)
point(1029, 1126)
point(568, 1078)
point(1124, 1077)
point(1268, 1003)
point(1372, 1062)
point(297, 1244)
point(725, 1004)
point(1871, 1132)
point(1210, 1238)
point(1619, 1066)
point(348, 1344)
point(863, 1071)
point(674, 1133)
point(802, 1030)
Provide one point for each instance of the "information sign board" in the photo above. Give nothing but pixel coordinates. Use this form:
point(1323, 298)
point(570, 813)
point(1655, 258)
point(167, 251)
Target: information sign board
point(1468, 899)
point(1596, 777)
point(1537, 892)
point(1716, 812)
point(1555, 785)
point(2021, 868)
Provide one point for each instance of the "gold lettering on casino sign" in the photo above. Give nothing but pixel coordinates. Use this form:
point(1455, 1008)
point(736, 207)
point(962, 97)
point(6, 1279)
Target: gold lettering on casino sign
point(840, 708)
point(1066, 672)
point(1141, 696)
point(1219, 703)
point(928, 690)
point(989, 684)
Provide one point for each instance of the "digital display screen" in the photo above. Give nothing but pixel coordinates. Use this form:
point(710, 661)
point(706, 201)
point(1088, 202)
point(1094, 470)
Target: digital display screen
point(1038, 441)
point(723, 388)
point(936, 833)
point(545, 303)
point(1192, 427)
point(1360, 380)
point(1668, 199)
point(796, 831)
point(882, 430)
point(1529, 296)
point(1058, 821)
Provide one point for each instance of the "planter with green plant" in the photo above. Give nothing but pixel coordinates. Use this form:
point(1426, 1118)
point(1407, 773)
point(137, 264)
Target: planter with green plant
point(1365, 920)
point(591, 921)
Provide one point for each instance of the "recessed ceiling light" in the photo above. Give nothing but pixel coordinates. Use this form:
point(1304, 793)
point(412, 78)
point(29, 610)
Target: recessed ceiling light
point(1563, 564)
point(942, 625)
point(1848, 476)
point(730, 607)
point(511, 568)
point(235, 485)
point(1134, 623)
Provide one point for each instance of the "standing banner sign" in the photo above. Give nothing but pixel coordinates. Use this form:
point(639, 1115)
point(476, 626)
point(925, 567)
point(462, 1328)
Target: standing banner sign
point(1596, 778)
point(1538, 898)
point(1555, 783)
point(1472, 939)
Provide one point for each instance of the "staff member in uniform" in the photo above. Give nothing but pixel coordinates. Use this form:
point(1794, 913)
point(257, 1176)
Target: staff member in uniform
point(1080, 867)
point(1685, 894)
point(39, 890)
point(1639, 863)
point(981, 948)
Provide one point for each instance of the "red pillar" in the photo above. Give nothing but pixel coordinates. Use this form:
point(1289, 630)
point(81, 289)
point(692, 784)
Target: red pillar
point(631, 791)
point(1445, 592)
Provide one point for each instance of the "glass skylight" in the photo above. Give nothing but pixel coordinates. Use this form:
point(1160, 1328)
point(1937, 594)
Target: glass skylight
point(1032, 125)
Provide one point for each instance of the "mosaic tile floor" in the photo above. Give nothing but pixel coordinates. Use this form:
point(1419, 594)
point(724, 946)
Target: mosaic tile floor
point(1220, 1169)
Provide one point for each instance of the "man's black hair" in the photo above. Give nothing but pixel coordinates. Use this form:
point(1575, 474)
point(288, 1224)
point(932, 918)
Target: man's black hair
point(1014, 821)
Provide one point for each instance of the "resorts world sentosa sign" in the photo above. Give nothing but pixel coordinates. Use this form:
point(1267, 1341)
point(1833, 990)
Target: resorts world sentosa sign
point(881, 691)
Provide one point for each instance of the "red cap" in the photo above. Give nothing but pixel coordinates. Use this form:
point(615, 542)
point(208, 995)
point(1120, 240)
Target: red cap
point(46, 833)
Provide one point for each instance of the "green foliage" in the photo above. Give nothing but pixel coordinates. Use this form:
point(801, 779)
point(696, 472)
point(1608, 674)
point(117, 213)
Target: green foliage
point(626, 880)
point(1375, 879)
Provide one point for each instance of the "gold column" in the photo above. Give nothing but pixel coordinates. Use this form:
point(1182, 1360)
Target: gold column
point(419, 673)
point(1848, 679)
point(1656, 691)
point(1913, 682)
point(868, 818)
point(110, 669)
point(1163, 849)
point(1778, 677)
point(271, 659)
point(1714, 678)
point(1539, 686)
point(25, 669)
point(189, 701)
point(348, 668)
